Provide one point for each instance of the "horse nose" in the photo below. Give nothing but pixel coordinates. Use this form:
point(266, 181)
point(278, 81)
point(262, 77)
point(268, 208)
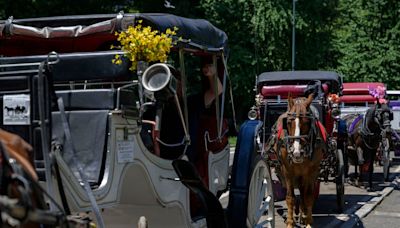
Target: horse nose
point(296, 154)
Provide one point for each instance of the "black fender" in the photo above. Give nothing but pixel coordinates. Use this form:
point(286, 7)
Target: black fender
point(241, 173)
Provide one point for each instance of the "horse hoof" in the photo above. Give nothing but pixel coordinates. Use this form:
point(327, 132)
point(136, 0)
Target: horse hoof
point(370, 189)
point(142, 223)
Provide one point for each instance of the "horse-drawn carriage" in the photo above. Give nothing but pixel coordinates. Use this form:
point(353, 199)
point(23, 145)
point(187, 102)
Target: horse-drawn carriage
point(301, 132)
point(366, 111)
point(395, 106)
point(122, 144)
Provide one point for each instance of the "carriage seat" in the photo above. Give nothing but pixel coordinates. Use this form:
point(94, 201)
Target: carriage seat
point(87, 113)
point(88, 99)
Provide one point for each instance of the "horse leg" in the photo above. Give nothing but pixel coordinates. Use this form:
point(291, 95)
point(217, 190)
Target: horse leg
point(290, 201)
point(360, 156)
point(309, 202)
point(370, 173)
point(303, 209)
point(356, 176)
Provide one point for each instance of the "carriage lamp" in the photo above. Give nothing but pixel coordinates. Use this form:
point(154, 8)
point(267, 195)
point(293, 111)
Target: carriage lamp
point(252, 114)
point(335, 112)
point(158, 79)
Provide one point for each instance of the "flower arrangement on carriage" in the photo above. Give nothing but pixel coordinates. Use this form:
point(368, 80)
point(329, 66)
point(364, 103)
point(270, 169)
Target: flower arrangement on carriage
point(142, 43)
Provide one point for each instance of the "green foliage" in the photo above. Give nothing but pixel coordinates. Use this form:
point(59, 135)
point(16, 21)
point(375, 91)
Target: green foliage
point(234, 17)
point(367, 38)
point(359, 38)
point(260, 35)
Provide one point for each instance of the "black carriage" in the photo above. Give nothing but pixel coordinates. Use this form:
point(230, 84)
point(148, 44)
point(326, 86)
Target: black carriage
point(117, 143)
point(273, 89)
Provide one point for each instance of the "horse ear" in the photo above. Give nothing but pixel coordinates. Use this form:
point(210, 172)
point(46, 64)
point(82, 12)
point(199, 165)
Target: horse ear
point(290, 101)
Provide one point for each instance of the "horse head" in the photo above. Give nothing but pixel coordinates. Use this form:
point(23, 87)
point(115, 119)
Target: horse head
point(21, 197)
point(383, 116)
point(299, 127)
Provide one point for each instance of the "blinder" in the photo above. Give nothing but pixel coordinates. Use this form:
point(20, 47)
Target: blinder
point(293, 116)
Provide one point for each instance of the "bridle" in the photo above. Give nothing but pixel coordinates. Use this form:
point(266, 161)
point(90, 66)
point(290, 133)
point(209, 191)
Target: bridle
point(289, 141)
point(17, 188)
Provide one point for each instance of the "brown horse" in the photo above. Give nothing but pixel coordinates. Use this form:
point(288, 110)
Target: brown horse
point(365, 133)
point(17, 174)
point(300, 147)
point(21, 197)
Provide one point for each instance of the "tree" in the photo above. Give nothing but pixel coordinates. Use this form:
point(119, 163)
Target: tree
point(260, 34)
point(368, 40)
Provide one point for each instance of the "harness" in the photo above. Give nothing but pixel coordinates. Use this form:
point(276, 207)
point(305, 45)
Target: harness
point(367, 135)
point(17, 211)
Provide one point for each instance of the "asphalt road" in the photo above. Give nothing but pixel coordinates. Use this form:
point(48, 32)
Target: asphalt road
point(363, 208)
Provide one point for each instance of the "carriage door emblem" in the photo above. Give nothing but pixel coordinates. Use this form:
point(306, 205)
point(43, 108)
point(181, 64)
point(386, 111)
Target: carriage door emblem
point(16, 109)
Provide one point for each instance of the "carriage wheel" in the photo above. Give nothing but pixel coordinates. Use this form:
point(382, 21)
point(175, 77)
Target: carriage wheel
point(251, 199)
point(260, 206)
point(386, 158)
point(340, 180)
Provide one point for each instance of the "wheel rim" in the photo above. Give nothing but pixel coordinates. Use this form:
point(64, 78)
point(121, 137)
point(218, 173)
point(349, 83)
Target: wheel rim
point(340, 180)
point(260, 209)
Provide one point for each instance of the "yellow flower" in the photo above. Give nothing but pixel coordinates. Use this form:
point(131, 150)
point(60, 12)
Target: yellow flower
point(144, 44)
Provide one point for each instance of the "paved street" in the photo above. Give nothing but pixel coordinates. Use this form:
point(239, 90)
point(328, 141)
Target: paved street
point(362, 208)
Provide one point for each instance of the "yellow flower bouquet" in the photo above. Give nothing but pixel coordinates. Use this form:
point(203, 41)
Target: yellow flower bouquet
point(144, 44)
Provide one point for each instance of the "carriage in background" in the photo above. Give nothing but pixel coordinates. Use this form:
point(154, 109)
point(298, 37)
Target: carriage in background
point(273, 89)
point(356, 100)
point(394, 96)
point(97, 128)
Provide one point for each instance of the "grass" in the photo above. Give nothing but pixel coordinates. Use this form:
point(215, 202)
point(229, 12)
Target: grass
point(232, 141)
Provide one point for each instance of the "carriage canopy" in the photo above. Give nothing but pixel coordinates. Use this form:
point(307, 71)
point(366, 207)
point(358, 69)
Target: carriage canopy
point(282, 82)
point(97, 32)
point(359, 92)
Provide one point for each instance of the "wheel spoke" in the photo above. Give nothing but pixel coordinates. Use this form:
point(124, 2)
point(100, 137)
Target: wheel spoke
point(260, 198)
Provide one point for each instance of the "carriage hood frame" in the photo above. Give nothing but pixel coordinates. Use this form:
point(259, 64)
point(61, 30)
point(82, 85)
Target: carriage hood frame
point(302, 77)
point(83, 33)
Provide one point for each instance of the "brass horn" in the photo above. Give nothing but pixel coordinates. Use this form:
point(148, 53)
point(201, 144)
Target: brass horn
point(158, 78)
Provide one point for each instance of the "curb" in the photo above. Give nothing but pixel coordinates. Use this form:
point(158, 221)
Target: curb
point(367, 208)
point(370, 205)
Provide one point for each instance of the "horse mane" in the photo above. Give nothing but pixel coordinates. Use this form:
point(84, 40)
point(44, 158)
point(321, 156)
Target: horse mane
point(369, 116)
